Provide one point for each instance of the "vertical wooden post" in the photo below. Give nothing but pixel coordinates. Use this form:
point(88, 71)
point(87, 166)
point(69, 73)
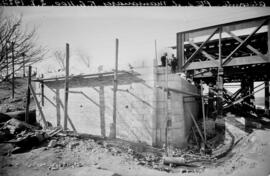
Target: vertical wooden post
point(42, 90)
point(102, 110)
point(220, 121)
point(180, 50)
point(203, 112)
point(155, 117)
point(115, 88)
point(66, 88)
point(156, 53)
point(266, 95)
point(58, 105)
point(13, 69)
point(167, 108)
point(28, 94)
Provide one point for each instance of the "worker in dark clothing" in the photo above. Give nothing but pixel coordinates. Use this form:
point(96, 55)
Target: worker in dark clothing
point(163, 60)
point(174, 64)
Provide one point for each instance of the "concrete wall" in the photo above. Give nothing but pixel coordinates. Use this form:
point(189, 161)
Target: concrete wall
point(141, 106)
point(179, 106)
point(90, 105)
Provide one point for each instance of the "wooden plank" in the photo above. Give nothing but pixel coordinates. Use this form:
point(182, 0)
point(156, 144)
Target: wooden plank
point(237, 61)
point(60, 78)
point(28, 94)
point(115, 89)
point(179, 91)
point(229, 57)
point(248, 46)
point(199, 49)
point(174, 160)
point(39, 107)
point(66, 88)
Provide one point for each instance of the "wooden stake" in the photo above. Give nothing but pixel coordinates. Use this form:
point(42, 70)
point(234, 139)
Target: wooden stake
point(28, 94)
point(115, 88)
point(38, 105)
point(66, 88)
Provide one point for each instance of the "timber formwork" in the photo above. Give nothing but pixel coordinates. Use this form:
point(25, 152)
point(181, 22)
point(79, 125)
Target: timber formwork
point(225, 56)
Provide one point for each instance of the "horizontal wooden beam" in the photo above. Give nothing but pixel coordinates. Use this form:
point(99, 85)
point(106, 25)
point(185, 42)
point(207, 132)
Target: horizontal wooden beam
point(231, 26)
point(179, 91)
point(82, 76)
point(237, 61)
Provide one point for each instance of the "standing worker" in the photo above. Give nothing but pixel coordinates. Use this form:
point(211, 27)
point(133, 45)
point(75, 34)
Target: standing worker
point(174, 63)
point(163, 60)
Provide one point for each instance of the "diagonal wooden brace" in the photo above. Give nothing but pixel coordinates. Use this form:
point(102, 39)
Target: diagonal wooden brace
point(229, 57)
point(199, 49)
point(204, 53)
point(39, 107)
point(248, 46)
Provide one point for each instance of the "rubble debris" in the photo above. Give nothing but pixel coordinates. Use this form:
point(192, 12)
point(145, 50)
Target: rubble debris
point(73, 145)
point(52, 143)
point(4, 108)
point(5, 135)
point(4, 117)
point(16, 126)
point(174, 160)
point(20, 115)
point(5, 148)
point(29, 141)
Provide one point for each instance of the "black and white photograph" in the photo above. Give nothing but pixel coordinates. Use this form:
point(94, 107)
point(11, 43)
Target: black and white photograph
point(134, 91)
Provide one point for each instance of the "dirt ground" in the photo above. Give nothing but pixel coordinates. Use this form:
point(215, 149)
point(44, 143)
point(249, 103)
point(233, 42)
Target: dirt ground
point(100, 157)
point(73, 156)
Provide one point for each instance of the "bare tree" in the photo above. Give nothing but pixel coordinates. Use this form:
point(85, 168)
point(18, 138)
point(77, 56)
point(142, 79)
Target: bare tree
point(86, 59)
point(18, 42)
point(60, 58)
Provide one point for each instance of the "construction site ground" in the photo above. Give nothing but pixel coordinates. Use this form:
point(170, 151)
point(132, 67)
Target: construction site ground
point(66, 155)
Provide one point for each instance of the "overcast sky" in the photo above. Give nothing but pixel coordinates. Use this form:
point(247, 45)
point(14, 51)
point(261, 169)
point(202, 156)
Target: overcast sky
point(93, 30)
